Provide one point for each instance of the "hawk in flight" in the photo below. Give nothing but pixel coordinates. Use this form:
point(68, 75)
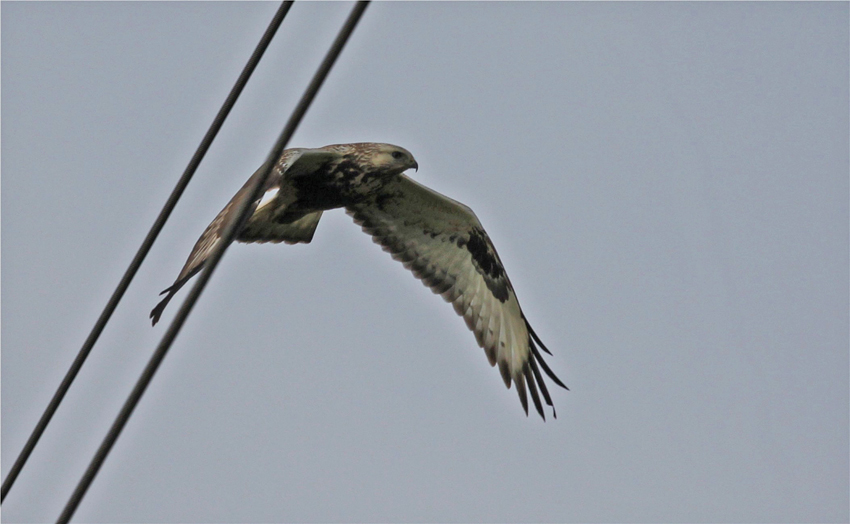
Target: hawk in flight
point(438, 239)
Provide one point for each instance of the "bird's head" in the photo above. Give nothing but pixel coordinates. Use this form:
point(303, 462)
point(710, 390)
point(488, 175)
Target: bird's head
point(392, 160)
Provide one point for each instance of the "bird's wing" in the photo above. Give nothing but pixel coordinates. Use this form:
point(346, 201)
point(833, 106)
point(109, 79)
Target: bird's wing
point(209, 239)
point(260, 227)
point(270, 222)
point(308, 161)
point(292, 230)
point(442, 242)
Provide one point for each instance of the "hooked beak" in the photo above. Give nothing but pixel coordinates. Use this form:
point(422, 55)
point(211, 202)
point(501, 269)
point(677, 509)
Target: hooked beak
point(416, 166)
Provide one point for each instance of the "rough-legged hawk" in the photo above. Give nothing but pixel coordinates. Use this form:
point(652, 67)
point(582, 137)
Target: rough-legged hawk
point(438, 239)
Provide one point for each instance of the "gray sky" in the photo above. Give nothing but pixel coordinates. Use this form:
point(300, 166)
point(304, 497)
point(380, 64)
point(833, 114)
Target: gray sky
point(667, 185)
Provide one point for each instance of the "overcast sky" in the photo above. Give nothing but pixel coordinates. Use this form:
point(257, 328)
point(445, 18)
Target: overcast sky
point(667, 186)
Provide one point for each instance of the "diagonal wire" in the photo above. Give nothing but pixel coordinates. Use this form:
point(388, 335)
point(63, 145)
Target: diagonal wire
point(143, 250)
point(230, 231)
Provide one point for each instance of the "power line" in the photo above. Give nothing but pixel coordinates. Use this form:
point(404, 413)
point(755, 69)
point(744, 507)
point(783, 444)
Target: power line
point(229, 233)
point(143, 250)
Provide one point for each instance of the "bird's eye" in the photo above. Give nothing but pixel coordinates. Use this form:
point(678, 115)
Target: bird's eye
point(398, 154)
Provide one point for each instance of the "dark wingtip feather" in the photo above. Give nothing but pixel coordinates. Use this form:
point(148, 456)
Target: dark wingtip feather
point(172, 290)
point(520, 389)
point(529, 379)
point(543, 389)
point(536, 338)
point(545, 367)
point(156, 312)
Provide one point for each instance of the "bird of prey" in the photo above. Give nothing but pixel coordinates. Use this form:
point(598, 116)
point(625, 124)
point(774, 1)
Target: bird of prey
point(440, 240)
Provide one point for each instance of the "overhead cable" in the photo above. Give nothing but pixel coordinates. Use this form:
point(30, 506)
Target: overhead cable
point(241, 214)
point(143, 250)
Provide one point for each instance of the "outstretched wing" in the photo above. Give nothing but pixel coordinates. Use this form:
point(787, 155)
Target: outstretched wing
point(210, 238)
point(442, 242)
point(263, 225)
